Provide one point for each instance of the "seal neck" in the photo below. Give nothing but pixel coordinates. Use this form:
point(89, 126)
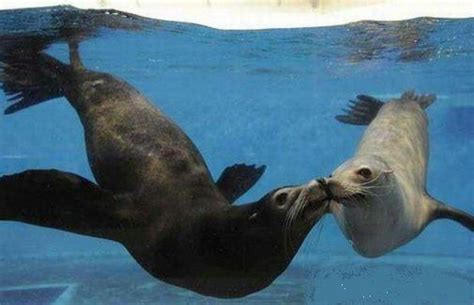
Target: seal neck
point(239, 231)
point(239, 253)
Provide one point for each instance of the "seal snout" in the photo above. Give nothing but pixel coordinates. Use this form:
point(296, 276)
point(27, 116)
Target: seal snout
point(315, 201)
point(340, 193)
point(323, 182)
point(316, 190)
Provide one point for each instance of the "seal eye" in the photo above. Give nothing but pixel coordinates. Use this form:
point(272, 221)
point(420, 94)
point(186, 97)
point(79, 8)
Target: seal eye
point(365, 172)
point(281, 198)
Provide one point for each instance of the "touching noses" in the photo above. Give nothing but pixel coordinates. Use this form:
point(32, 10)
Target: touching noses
point(326, 187)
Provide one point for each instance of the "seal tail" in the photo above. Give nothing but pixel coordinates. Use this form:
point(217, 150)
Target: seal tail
point(362, 111)
point(30, 78)
point(444, 211)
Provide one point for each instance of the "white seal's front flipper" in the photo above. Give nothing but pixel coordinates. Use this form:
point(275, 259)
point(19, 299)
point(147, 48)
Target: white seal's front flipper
point(237, 179)
point(62, 201)
point(366, 107)
point(362, 111)
point(444, 211)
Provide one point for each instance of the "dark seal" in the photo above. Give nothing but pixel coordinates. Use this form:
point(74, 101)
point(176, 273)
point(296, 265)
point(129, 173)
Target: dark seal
point(154, 193)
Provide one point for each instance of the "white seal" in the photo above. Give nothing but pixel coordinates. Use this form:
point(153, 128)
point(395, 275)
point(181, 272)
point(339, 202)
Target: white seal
point(379, 196)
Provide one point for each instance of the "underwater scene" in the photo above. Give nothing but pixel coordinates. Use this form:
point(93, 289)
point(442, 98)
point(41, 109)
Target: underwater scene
point(154, 162)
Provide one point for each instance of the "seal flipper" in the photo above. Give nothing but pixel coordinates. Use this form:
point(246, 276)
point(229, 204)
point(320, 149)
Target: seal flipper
point(362, 111)
point(444, 211)
point(237, 179)
point(62, 201)
point(30, 79)
point(423, 100)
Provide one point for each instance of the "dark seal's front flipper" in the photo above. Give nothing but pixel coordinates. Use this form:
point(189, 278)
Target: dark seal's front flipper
point(237, 179)
point(61, 200)
point(362, 111)
point(444, 211)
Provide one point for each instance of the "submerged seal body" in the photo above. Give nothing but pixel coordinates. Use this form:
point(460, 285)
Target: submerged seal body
point(380, 199)
point(154, 193)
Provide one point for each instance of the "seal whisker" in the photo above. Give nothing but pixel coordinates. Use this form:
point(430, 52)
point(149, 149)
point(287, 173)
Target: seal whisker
point(373, 191)
point(293, 215)
point(286, 237)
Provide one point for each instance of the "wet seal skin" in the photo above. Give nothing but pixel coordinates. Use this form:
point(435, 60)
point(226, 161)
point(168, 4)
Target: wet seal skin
point(379, 196)
point(154, 193)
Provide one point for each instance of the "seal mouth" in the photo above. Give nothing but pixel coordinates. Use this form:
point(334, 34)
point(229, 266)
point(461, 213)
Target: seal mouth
point(325, 186)
point(347, 199)
point(314, 210)
point(317, 200)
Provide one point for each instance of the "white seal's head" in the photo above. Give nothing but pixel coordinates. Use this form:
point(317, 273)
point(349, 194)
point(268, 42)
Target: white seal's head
point(359, 178)
point(367, 204)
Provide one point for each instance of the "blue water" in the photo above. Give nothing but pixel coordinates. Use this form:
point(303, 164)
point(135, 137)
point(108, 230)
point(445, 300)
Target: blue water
point(269, 97)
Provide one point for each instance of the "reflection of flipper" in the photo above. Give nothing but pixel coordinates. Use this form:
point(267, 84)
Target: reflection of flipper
point(237, 179)
point(362, 111)
point(35, 77)
point(443, 211)
point(60, 200)
point(66, 24)
point(30, 80)
point(74, 58)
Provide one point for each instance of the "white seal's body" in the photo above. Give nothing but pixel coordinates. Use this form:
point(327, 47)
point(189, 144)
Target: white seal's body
point(387, 176)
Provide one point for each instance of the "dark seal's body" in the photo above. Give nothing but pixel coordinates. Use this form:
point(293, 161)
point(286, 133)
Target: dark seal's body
point(155, 194)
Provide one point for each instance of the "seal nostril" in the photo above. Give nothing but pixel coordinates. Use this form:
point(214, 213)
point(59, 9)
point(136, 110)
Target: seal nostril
point(326, 188)
point(281, 198)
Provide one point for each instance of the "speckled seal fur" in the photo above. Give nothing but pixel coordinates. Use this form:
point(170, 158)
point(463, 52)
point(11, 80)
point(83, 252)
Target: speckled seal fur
point(154, 193)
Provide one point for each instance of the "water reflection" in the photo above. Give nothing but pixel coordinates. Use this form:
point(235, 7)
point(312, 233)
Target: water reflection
point(406, 41)
point(41, 27)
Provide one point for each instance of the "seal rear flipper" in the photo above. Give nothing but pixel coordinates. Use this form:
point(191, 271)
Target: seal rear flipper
point(30, 78)
point(362, 111)
point(60, 200)
point(423, 100)
point(444, 211)
point(237, 179)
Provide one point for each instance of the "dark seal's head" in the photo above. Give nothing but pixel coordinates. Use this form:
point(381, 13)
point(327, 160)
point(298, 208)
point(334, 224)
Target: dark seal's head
point(244, 248)
point(294, 210)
